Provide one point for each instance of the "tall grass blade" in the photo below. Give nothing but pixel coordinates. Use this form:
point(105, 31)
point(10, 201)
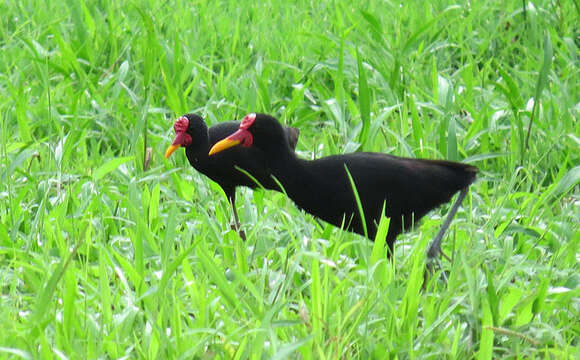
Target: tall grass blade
point(542, 80)
point(364, 101)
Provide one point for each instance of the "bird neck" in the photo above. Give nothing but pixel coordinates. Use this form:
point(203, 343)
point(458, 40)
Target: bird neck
point(296, 177)
point(198, 150)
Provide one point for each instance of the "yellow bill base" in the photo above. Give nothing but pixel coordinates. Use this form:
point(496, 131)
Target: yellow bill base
point(223, 145)
point(170, 150)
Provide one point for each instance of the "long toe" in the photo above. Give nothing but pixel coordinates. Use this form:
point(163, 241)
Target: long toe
point(431, 267)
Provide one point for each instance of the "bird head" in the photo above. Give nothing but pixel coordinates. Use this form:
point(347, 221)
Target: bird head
point(185, 127)
point(258, 130)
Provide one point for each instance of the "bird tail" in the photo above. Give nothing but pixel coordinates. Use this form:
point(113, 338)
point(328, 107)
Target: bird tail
point(461, 174)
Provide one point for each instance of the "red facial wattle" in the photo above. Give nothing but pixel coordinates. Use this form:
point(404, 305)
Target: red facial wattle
point(248, 121)
point(182, 138)
point(181, 124)
point(241, 137)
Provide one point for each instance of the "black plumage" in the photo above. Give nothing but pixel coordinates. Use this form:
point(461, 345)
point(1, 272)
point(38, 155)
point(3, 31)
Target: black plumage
point(409, 187)
point(193, 134)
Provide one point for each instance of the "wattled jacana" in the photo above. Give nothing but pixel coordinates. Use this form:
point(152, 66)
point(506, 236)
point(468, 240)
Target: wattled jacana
point(192, 133)
point(409, 187)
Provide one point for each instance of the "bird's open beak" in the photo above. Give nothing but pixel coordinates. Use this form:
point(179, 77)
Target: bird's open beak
point(181, 139)
point(241, 137)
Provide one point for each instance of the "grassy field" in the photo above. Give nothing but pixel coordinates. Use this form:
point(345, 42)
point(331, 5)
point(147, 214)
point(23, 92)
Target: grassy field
point(105, 256)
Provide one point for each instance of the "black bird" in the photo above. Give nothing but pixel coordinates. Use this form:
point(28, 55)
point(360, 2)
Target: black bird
point(409, 187)
point(192, 133)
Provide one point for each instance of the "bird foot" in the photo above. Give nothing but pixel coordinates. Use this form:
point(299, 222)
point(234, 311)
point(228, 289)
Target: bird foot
point(433, 252)
point(433, 265)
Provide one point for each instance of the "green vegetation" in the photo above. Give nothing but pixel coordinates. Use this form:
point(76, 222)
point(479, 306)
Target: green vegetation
point(102, 256)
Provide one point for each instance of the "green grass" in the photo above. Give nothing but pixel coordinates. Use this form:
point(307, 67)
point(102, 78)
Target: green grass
point(103, 257)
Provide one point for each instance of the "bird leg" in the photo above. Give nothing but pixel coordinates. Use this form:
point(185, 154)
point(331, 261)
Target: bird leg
point(435, 246)
point(236, 226)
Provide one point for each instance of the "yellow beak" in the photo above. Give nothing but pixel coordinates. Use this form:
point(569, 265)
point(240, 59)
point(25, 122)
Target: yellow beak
point(170, 150)
point(223, 145)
